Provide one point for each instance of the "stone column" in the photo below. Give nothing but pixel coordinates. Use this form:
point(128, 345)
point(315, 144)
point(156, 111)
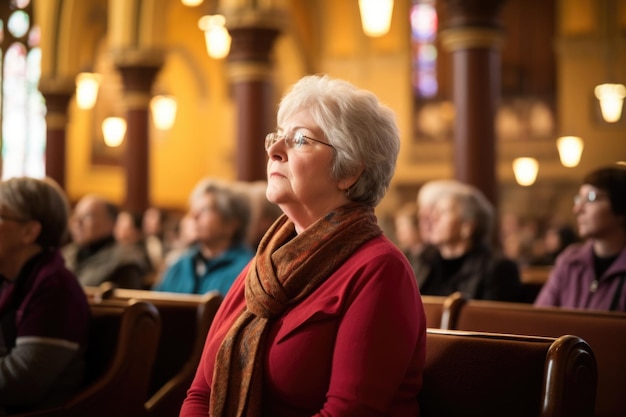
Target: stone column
point(253, 34)
point(57, 96)
point(472, 32)
point(138, 76)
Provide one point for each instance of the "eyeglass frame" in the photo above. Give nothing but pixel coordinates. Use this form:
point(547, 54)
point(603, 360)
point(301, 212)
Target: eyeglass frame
point(591, 197)
point(275, 137)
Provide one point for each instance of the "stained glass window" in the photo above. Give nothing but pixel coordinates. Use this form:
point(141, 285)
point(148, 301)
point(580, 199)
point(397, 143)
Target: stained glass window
point(23, 108)
point(424, 24)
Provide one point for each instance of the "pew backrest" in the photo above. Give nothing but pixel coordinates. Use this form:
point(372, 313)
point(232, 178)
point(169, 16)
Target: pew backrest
point(605, 332)
point(185, 319)
point(484, 374)
point(119, 356)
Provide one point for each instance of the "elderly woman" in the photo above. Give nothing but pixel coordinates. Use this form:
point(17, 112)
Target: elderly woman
point(327, 319)
point(220, 215)
point(43, 310)
point(461, 222)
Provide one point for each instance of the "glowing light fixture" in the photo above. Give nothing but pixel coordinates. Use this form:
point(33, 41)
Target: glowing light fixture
point(376, 16)
point(113, 129)
point(191, 3)
point(525, 170)
point(163, 111)
point(216, 36)
point(570, 150)
point(611, 98)
point(87, 84)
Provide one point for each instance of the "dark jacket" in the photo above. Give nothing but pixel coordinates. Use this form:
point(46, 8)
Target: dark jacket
point(483, 274)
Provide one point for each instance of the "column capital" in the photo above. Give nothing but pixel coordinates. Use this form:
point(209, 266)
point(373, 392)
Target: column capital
point(252, 44)
point(57, 86)
point(138, 79)
point(471, 37)
point(58, 94)
point(138, 57)
point(473, 13)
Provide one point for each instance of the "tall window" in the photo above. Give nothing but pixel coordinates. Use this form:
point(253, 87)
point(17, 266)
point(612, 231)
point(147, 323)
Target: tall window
point(424, 25)
point(22, 115)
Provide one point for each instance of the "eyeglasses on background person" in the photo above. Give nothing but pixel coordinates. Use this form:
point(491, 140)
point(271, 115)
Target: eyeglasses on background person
point(591, 197)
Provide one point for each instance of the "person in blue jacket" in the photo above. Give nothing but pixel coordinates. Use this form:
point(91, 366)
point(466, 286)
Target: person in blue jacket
point(221, 215)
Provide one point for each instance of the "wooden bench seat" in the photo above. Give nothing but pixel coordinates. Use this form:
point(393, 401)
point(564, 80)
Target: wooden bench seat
point(483, 374)
point(605, 332)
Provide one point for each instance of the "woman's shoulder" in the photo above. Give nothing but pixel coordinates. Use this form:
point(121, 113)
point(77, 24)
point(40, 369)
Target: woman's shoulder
point(378, 256)
point(379, 248)
point(574, 252)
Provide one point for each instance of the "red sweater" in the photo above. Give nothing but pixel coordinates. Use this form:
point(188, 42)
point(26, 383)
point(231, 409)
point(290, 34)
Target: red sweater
point(353, 347)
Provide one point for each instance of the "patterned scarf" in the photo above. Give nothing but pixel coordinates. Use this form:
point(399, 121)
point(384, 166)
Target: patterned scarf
point(285, 270)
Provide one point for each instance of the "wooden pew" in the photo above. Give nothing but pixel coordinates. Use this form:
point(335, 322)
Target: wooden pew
point(485, 374)
point(438, 309)
point(121, 349)
point(186, 319)
point(605, 332)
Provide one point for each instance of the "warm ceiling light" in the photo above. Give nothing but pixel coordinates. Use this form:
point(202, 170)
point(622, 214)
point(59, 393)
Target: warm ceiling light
point(113, 129)
point(191, 3)
point(570, 150)
point(163, 111)
point(87, 84)
point(611, 98)
point(216, 36)
point(376, 16)
point(525, 170)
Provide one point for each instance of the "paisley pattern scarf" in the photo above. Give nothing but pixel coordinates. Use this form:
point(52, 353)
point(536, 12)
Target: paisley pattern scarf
point(286, 269)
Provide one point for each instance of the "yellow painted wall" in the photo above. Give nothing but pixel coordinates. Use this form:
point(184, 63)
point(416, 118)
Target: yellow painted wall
point(326, 36)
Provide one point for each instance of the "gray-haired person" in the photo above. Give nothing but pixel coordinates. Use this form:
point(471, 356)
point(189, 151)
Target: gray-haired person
point(44, 314)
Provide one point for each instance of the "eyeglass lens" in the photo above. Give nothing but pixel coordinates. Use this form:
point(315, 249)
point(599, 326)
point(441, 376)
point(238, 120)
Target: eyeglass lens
point(590, 197)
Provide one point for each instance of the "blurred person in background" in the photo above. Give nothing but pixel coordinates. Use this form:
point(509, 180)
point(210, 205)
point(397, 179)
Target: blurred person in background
point(44, 315)
point(555, 239)
point(592, 275)
point(94, 255)
point(462, 222)
point(128, 231)
point(221, 216)
point(406, 227)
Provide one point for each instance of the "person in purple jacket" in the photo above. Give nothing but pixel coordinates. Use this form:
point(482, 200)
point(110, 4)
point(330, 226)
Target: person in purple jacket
point(592, 275)
point(44, 315)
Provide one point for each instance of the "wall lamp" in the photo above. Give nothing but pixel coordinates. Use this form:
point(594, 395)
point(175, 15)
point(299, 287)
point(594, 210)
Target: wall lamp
point(113, 129)
point(216, 36)
point(570, 150)
point(376, 16)
point(87, 84)
point(525, 170)
point(163, 109)
point(611, 98)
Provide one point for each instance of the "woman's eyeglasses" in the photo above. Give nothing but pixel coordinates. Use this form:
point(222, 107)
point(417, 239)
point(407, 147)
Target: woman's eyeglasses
point(590, 197)
point(298, 141)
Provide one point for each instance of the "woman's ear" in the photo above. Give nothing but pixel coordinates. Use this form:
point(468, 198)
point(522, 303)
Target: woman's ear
point(32, 230)
point(345, 183)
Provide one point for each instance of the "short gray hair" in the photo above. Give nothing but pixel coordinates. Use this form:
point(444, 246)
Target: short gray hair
point(231, 203)
point(363, 132)
point(474, 207)
point(41, 200)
